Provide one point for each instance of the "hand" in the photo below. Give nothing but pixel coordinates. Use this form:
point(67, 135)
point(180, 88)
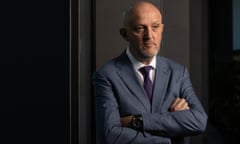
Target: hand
point(178, 105)
point(125, 121)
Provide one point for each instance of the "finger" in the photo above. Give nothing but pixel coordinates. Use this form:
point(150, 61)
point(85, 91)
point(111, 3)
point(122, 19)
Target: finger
point(174, 103)
point(177, 104)
point(180, 104)
point(185, 106)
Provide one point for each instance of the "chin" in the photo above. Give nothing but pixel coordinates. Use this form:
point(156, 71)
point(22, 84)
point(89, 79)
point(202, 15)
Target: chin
point(148, 55)
point(152, 54)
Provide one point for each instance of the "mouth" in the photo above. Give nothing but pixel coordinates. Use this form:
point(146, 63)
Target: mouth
point(149, 44)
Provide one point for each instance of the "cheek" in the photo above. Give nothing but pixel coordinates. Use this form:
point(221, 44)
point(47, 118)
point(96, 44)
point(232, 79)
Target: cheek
point(159, 38)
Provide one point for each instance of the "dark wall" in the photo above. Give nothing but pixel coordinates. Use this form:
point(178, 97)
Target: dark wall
point(224, 103)
point(35, 45)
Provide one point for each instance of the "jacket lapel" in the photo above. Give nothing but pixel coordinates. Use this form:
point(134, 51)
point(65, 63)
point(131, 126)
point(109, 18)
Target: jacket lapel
point(162, 76)
point(128, 76)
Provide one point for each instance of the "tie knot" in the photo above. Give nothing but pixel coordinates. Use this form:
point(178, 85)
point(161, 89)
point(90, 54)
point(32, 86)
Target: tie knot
point(145, 70)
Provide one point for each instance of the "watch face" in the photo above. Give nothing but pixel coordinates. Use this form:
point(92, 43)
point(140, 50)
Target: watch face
point(137, 122)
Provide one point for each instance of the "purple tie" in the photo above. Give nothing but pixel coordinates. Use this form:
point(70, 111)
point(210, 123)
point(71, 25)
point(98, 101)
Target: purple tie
point(147, 82)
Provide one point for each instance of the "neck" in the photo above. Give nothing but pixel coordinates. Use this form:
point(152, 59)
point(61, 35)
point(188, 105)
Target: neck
point(145, 61)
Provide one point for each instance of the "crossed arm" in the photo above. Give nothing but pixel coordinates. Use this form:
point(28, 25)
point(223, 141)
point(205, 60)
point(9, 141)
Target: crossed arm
point(177, 105)
point(184, 117)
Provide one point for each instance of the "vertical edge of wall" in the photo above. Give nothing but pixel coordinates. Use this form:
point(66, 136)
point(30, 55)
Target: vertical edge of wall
point(199, 54)
point(85, 99)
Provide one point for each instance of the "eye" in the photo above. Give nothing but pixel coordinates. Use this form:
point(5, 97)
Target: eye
point(139, 28)
point(155, 27)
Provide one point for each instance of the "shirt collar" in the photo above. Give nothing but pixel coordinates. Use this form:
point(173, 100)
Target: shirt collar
point(136, 64)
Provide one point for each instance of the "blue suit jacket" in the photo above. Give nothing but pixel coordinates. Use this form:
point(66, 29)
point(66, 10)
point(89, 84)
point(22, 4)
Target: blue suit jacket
point(118, 93)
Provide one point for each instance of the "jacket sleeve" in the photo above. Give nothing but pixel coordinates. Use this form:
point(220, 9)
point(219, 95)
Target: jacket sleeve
point(109, 130)
point(180, 123)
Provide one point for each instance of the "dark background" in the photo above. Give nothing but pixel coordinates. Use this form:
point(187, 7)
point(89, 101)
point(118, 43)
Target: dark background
point(224, 73)
point(35, 72)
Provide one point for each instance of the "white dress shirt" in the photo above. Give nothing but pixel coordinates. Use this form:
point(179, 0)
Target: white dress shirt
point(137, 65)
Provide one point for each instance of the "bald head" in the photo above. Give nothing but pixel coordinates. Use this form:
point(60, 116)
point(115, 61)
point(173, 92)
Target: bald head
point(142, 29)
point(136, 9)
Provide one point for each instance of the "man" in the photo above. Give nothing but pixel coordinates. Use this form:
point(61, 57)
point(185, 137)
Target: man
point(155, 104)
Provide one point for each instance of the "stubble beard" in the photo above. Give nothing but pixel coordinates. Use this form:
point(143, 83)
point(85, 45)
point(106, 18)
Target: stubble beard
point(147, 56)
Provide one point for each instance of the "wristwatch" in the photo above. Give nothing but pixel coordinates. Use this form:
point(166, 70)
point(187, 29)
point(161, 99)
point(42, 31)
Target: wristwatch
point(137, 122)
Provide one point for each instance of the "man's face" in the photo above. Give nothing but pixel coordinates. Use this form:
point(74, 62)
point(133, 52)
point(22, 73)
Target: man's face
point(144, 32)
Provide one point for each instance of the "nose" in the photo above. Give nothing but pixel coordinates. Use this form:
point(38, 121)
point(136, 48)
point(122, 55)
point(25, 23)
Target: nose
point(148, 34)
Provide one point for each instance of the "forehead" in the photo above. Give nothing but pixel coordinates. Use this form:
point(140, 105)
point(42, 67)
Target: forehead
point(144, 13)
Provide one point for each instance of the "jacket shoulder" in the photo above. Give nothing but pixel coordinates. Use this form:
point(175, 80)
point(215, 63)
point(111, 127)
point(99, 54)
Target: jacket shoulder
point(108, 68)
point(171, 64)
point(114, 64)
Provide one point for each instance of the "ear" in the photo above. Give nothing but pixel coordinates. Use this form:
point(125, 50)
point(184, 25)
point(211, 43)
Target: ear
point(124, 34)
point(162, 27)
